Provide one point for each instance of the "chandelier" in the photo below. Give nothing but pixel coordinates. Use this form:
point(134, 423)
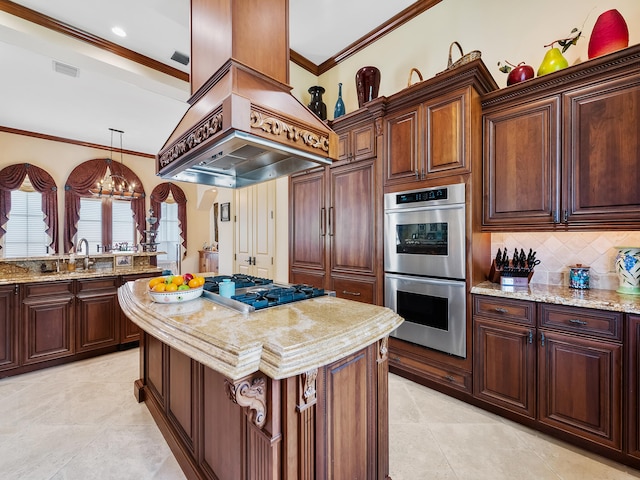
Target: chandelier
point(113, 184)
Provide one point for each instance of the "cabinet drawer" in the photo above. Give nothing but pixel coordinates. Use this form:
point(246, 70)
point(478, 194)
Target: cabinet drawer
point(518, 311)
point(455, 378)
point(46, 289)
point(360, 291)
point(596, 323)
point(99, 284)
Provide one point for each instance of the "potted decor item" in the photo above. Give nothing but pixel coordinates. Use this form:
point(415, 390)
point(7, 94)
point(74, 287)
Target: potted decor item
point(628, 270)
point(553, 59)
point(316, 105)
point(367, 84)
point(610, 33)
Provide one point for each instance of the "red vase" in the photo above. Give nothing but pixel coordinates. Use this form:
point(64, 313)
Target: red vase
point(610, 33)
point(367, 84)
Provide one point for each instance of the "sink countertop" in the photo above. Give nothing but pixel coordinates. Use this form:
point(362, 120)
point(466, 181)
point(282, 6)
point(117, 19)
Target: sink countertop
point(591, 298)
point(280, 341)
point(14, 276)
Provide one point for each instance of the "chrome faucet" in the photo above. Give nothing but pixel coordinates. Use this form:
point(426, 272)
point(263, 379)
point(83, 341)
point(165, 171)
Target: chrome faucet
point(86, 252)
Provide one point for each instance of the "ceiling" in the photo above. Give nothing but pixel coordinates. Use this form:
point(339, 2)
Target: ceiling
point(112, 92)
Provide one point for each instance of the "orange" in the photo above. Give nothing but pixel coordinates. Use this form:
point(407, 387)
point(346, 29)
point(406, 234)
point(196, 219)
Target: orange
point(193, 283)
point(171, 287)
point(177, 280)
point(154, 281)
point(200, 281)
point(160, 287)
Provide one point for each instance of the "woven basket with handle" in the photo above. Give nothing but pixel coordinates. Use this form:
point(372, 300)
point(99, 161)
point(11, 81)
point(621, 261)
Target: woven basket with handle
point(463, 60)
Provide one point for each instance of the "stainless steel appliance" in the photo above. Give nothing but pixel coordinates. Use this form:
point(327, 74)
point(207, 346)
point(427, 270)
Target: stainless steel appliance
point(425, 266)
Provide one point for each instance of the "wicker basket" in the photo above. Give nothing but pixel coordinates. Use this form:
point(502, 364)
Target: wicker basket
point(463, 60)
point(411, 72)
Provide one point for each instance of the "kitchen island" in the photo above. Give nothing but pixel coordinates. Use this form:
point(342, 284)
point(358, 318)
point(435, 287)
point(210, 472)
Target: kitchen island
point(296, 391)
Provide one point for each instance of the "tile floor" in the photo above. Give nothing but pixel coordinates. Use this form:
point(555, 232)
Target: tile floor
point(81, 421)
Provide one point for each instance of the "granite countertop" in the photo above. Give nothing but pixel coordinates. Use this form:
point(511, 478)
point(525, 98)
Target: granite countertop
point(13, 277)
point(592, 298)
point(280, 341)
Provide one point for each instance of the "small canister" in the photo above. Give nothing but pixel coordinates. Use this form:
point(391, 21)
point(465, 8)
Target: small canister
point(579, 277)
point(227, 288)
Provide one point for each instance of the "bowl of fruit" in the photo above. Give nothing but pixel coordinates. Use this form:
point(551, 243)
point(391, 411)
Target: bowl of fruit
point(175, 288)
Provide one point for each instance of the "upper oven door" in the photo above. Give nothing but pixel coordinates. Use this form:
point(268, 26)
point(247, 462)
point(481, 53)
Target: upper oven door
point(427, 241)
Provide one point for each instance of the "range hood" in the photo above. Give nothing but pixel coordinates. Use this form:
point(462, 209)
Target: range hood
point(243, 126)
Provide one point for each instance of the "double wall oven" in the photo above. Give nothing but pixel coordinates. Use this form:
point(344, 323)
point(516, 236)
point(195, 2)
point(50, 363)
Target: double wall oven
point(425, 266)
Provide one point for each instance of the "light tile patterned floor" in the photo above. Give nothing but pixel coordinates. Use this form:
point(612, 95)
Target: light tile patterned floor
point(81, 421)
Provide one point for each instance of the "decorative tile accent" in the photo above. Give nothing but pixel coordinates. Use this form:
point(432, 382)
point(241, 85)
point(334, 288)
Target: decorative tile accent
point(557, 251)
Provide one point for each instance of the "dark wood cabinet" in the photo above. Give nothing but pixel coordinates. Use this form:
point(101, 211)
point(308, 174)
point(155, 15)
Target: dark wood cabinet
point(555, 367)
point(561, 151)
point(335, 215)
point(9, 355)
point(632, 390)
point(129, 331)
point(357, 144)
point(97, 313)
point(182, 379)
point(402, 142)
point(47, 321)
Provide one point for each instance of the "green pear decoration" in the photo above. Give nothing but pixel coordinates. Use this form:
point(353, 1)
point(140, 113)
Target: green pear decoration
point(554, 60)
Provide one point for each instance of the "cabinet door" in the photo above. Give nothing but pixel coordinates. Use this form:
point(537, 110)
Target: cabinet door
point(307, 221)
point(402, 140)
point(632, 369)
point(580, 387)
point(129, 331)
point(448, 127)
point(97, 316)
point(601, 152)
point(182, 397)
point(504, 370)
point(351, 221)
point(8, 327)
point(521, 165)
point(47, 328)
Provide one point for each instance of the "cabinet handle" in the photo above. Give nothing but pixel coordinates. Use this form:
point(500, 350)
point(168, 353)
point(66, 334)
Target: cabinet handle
point(422, 175)
point(566, 216)
point(355, 294)
point(501, 310)
point(323, 221)
point(575, 321)
point(396, 359)
point(542, 339)
point(450, 378)
point(530, 336)
point(331, 221)
point(15, 289)
point(556, 216)
point(417, 175)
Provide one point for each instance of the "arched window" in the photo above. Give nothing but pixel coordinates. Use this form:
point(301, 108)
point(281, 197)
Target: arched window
point(34, 224)
point(169, 204)
point(94, 214)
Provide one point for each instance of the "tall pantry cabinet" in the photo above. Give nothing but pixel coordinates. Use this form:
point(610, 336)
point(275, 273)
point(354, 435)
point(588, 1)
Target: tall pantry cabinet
point(335, 214)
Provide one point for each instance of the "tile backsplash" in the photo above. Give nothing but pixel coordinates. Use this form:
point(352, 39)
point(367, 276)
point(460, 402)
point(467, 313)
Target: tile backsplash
point(557, 251)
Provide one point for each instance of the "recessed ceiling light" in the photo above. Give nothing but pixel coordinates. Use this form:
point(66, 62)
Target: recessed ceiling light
point(119, 31)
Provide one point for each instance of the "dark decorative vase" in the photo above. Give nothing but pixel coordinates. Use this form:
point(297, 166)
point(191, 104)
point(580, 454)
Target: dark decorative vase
point(367, 84)
point(316, 105)
point(339, 110)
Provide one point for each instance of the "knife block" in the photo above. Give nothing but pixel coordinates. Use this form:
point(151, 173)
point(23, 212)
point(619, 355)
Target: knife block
point(495, 274)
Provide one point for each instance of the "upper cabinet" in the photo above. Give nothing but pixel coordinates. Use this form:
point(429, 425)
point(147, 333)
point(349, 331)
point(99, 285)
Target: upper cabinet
point(561, 151)
point(429, 127)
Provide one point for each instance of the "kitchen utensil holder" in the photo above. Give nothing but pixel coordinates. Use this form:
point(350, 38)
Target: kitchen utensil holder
point(495, 273)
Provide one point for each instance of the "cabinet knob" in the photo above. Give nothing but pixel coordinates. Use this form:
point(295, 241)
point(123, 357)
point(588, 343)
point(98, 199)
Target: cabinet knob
point(355, 294)
point(449, 378)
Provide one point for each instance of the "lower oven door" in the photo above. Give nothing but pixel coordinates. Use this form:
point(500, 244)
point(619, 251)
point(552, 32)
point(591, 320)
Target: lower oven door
point(434, 311)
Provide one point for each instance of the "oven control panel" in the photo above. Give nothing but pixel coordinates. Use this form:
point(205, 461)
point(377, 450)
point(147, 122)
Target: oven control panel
point(423, 196)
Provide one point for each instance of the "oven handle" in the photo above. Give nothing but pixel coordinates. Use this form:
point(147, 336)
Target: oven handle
point(456, 206)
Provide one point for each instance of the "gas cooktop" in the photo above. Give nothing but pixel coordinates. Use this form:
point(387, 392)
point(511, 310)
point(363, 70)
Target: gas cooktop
point(255, 293)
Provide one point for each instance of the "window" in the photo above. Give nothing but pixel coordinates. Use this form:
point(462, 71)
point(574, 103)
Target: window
point(168, 237)
point(26, 230)
point(91, 222)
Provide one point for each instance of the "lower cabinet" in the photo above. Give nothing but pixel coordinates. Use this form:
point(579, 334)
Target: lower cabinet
point(47, 321)
point(97, 313)
point(632, 369)
point(8, 327)
point(129, 331)
point(557, 367)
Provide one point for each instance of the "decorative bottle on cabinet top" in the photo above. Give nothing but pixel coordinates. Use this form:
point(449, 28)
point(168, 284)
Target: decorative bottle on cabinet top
point(339, 109)
point(316, 105)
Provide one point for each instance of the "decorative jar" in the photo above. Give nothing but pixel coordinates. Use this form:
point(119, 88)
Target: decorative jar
point(316, 105)
point(367, 84)
point(628, 270)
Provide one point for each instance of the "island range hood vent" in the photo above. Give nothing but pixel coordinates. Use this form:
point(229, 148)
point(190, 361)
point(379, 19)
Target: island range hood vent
point(243, 125)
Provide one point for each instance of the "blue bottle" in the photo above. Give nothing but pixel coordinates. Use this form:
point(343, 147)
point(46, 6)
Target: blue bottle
point(339, 110)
